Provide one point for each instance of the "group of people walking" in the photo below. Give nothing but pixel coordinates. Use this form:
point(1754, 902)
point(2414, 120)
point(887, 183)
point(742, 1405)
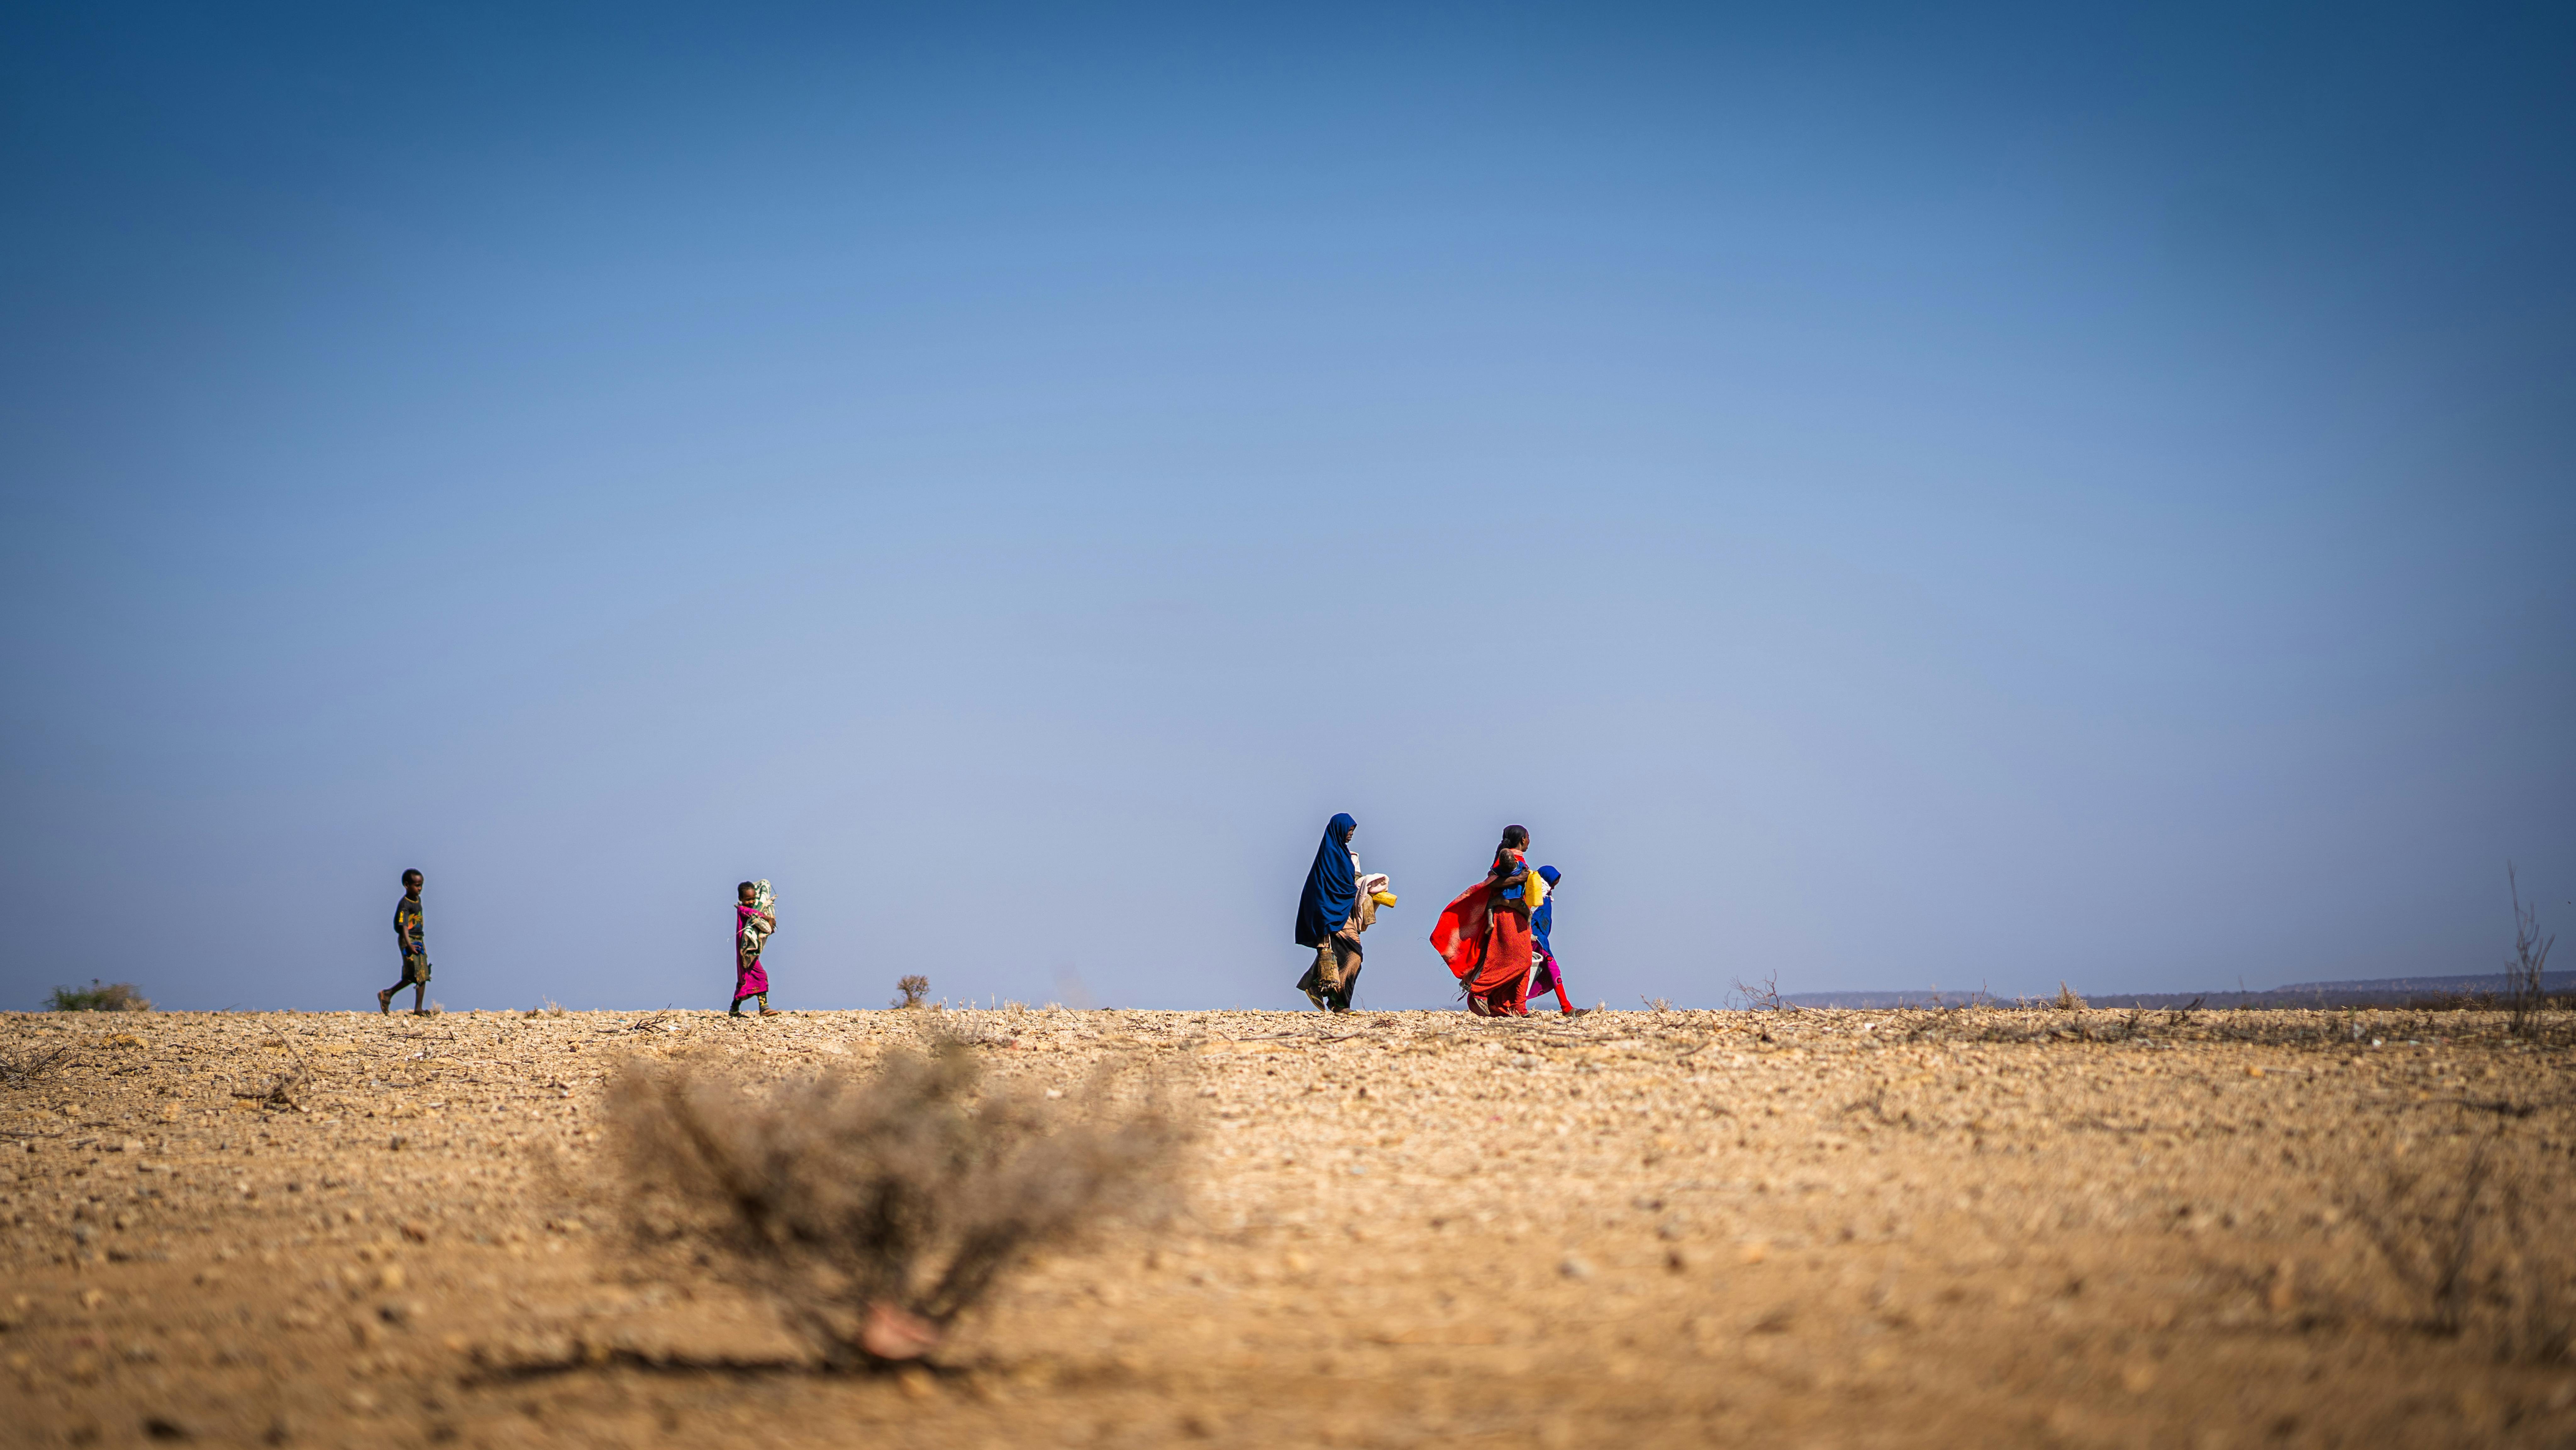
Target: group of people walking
point(1494, 936)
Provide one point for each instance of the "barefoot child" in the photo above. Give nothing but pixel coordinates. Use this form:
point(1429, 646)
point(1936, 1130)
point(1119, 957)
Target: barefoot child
point(415, 955)
point(755, 916)
point(1545, 974)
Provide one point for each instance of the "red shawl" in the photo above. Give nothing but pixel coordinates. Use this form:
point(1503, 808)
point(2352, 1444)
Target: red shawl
point(1484, 948)
point(1460, 934)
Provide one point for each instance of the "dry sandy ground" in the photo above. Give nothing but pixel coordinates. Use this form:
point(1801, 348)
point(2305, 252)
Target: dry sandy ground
point(1633, 1229)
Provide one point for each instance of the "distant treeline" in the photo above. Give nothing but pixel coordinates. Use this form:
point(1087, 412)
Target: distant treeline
point(2476, 990)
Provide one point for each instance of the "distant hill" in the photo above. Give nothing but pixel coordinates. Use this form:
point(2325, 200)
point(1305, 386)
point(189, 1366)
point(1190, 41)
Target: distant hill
point(2374, 992)
point(1881, 1001)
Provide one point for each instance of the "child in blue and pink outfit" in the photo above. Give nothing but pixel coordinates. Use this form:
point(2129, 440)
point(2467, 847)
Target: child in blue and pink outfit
point(1545, 975)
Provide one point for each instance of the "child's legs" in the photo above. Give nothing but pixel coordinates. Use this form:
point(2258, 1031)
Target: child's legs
point(1551, 977)
point(415, 976)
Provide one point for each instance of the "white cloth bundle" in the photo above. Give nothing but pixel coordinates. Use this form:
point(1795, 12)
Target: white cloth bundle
point(1365, 904)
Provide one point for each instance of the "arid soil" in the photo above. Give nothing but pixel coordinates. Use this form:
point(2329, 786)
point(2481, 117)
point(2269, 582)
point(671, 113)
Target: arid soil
point(1632, 1229)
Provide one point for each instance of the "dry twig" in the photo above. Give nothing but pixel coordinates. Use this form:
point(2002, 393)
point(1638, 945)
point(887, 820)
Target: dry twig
point(20, 1067)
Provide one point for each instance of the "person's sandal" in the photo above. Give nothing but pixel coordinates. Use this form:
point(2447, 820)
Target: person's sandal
point(385, 1001)
point(771, 1012)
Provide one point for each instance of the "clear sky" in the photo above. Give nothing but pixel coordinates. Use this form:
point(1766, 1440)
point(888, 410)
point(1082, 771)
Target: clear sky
point(1890, 496)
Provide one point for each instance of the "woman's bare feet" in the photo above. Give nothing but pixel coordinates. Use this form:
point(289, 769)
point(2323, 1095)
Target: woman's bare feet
point(385, 1001)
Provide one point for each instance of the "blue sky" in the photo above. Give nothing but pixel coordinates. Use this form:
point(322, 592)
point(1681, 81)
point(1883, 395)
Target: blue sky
point(1890, 497)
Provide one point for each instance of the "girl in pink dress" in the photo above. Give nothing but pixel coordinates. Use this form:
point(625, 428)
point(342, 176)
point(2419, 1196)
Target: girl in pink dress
point(754, 918)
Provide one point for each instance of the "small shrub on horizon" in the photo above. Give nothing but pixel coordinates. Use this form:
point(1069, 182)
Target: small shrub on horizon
point(913, 990)
point(99, 997)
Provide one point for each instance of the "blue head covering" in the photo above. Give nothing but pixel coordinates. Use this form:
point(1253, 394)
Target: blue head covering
point(1545, 916)
point(1332, 888)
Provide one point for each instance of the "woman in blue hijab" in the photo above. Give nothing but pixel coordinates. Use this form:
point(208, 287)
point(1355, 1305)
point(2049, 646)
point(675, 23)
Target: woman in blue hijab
point(1327, 912)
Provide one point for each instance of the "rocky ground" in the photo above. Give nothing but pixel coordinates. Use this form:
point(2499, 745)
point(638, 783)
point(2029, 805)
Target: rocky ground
point(1633, 1229)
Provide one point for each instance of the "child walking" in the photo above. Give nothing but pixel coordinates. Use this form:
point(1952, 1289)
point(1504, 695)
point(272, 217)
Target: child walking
point(415, 954)
point(1545, 974)
point(754, 917)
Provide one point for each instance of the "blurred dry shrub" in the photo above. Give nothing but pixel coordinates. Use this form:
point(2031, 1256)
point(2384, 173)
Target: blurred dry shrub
point(875, 1207)
point(2477, 1235)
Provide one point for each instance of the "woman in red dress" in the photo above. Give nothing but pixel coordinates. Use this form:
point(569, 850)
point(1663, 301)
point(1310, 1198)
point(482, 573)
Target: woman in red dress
point(1484, 935)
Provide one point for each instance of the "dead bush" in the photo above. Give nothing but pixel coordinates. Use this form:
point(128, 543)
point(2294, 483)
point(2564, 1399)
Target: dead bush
point(1764, 995)
point(875, 1208)
point(2527, 993)
point(2478, 1241)
point(912, 990)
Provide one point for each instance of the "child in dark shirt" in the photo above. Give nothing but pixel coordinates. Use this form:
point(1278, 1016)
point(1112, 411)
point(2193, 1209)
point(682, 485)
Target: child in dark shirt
point(415, 954)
